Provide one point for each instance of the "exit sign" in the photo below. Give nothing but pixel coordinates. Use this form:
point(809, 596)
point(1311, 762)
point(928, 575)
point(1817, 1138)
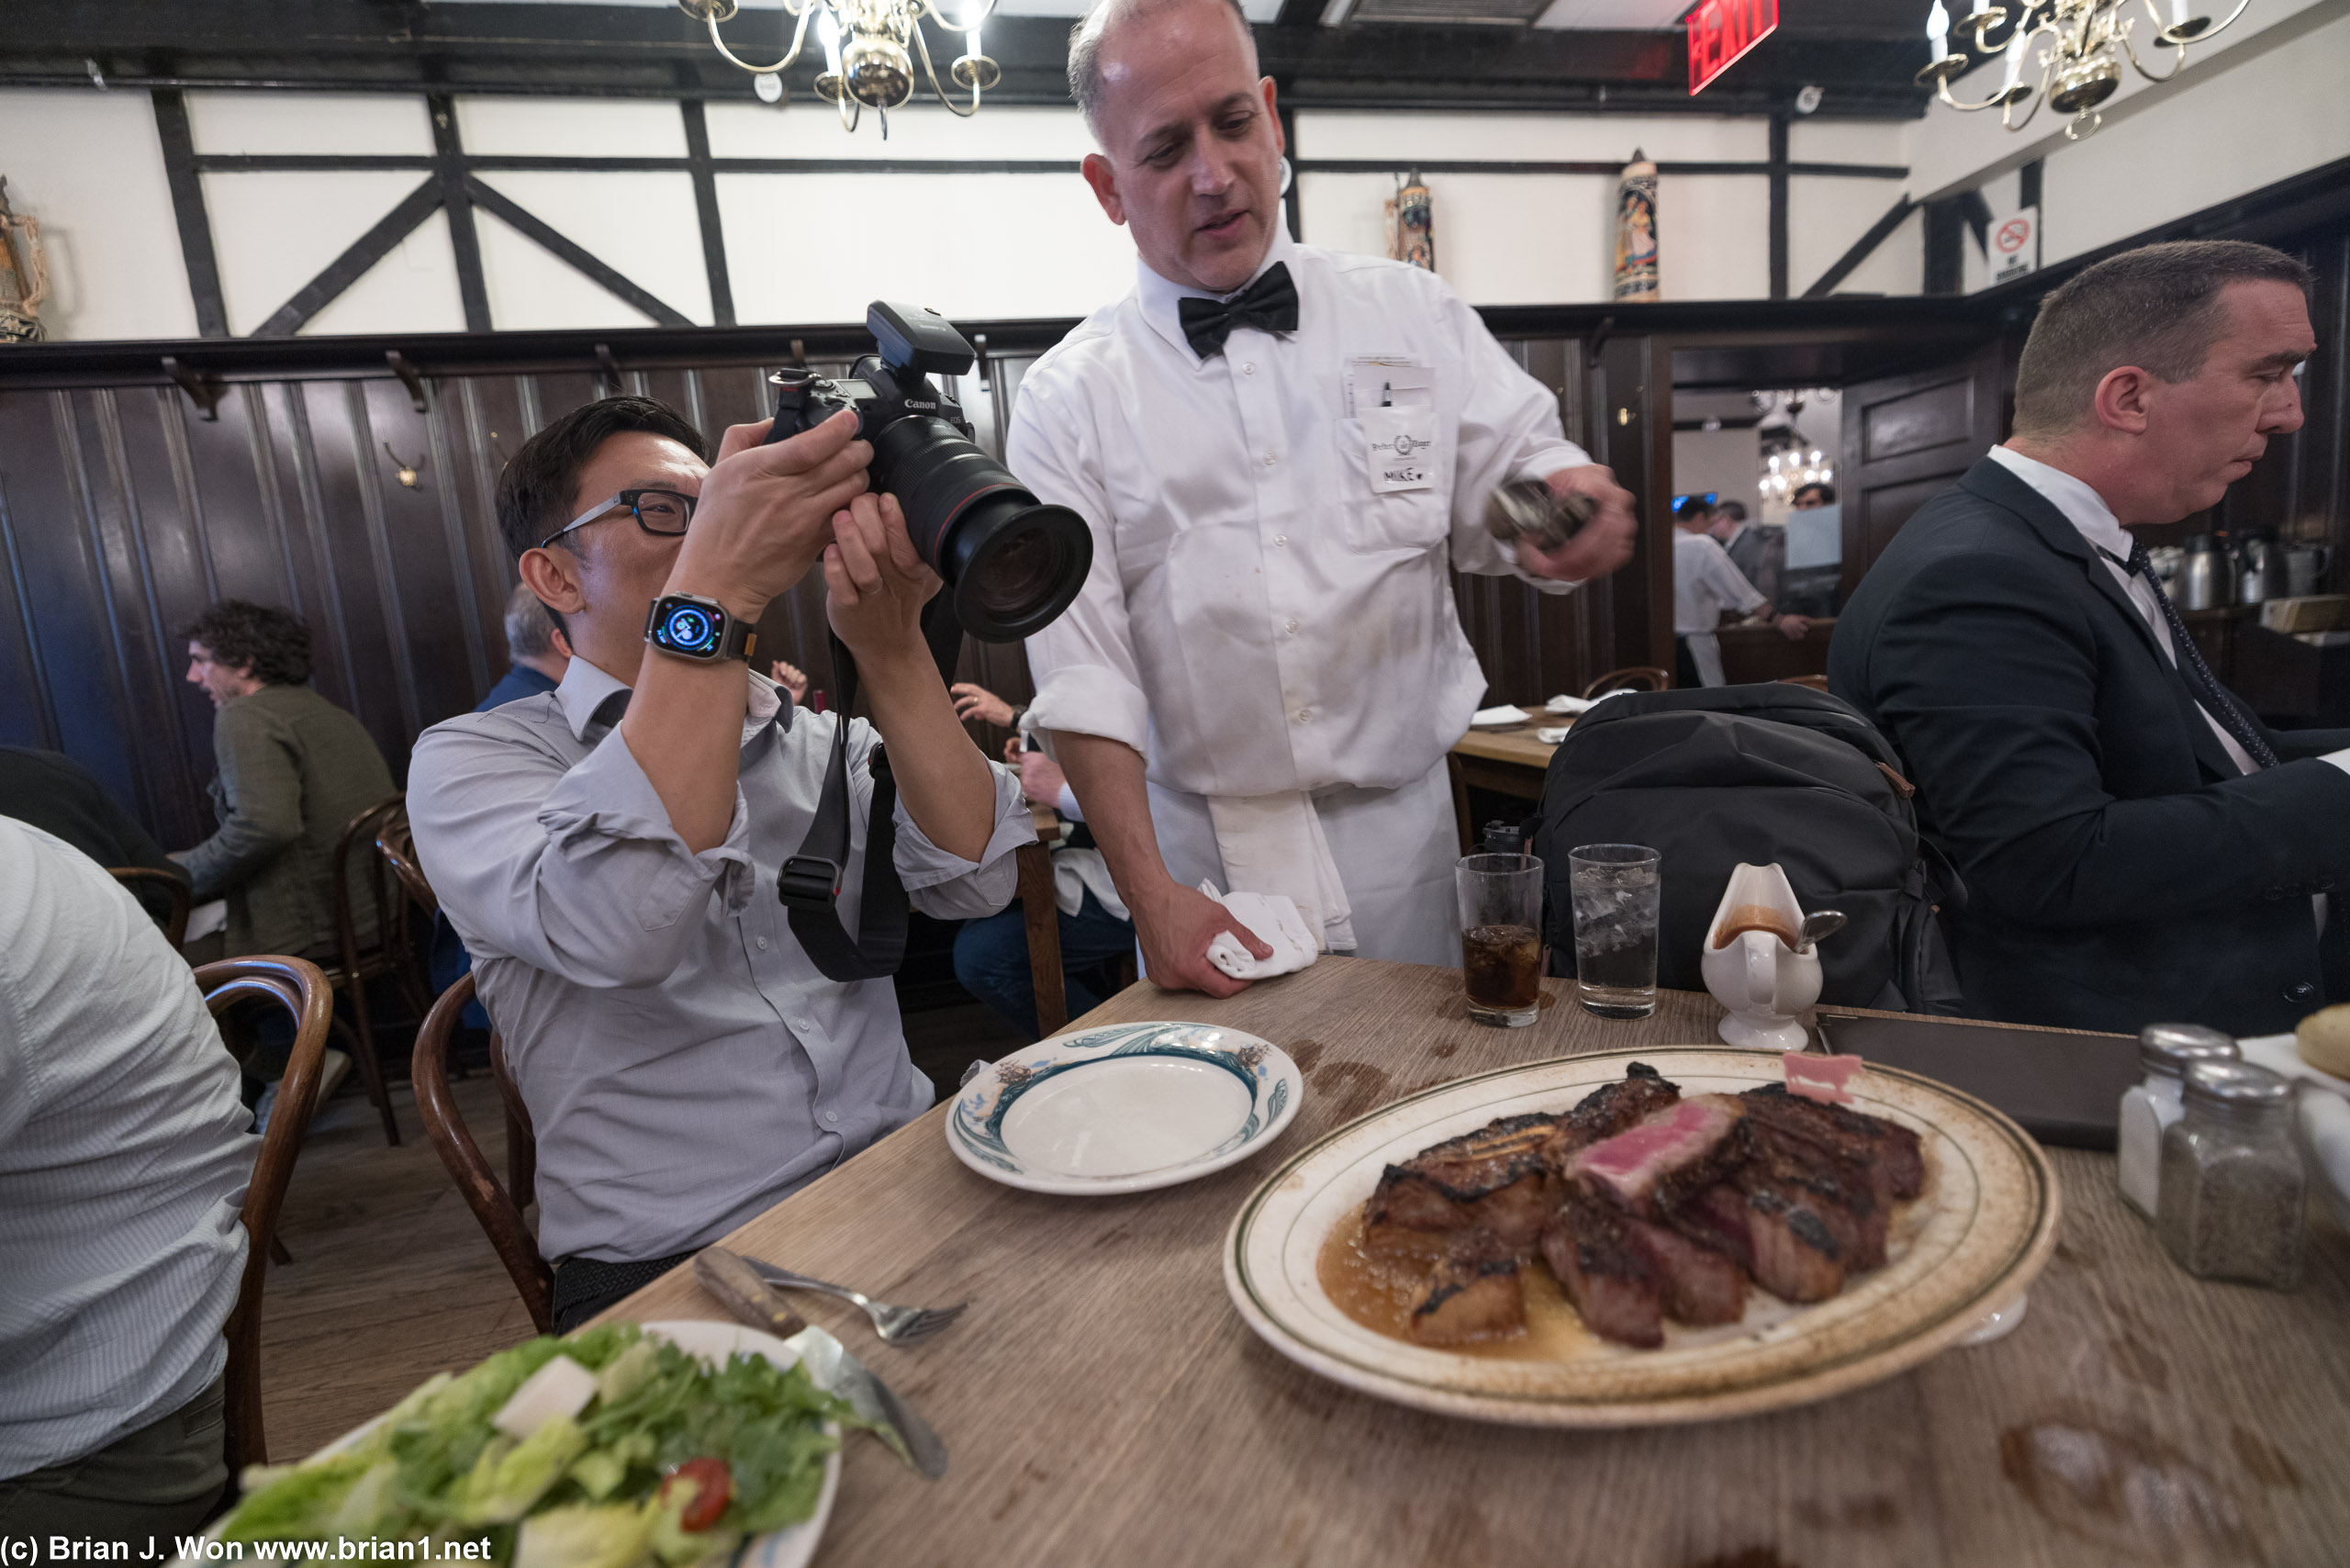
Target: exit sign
point(1721, 31)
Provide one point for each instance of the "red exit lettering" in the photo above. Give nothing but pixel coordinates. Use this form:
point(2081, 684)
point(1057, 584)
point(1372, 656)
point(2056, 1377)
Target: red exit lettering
point(1721, 31)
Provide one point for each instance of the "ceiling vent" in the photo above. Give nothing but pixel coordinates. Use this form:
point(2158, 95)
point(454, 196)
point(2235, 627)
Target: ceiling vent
point(1450, 13)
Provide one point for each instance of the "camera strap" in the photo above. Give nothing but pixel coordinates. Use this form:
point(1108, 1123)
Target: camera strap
point(809, 883)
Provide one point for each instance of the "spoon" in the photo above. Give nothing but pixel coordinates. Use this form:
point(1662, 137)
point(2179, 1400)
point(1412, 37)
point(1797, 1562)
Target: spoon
point(1820, 922)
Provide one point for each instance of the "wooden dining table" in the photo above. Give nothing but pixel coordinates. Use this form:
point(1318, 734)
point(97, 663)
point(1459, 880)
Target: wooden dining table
point(1509, 759)
point(1103, 1403)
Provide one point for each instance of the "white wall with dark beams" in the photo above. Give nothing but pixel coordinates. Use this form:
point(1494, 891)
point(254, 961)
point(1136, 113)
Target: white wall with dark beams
point(984, 218)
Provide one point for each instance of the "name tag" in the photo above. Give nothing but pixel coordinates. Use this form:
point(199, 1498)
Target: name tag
point(1399, 448)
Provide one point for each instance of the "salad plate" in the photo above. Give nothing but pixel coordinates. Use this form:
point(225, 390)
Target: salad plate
point(1124, 1109)
point(711, 1343)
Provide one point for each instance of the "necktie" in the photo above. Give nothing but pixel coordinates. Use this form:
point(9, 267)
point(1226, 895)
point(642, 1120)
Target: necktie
point(2216, 700)
point(1269, 304)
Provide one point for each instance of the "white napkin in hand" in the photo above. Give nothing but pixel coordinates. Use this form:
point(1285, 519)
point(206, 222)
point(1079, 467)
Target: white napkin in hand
point(1273, 919)
point(206, 918)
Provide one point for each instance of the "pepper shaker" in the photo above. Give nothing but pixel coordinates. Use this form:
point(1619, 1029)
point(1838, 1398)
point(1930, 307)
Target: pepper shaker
point(2151, 1106)
point(2233, 1190)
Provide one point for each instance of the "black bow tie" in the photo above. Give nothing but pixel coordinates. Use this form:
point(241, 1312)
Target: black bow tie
point(1269, 304)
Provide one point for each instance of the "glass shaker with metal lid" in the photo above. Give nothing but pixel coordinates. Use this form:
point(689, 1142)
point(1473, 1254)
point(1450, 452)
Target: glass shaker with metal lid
point(2152, 1105)
point(2234, 1189)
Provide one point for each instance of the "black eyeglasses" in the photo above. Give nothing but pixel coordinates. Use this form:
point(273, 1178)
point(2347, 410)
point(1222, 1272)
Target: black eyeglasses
point(664, 513)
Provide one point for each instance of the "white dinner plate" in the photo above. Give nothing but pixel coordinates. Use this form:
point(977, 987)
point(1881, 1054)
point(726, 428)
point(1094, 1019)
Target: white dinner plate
point(790, 1546)
point(1967, 1248)
point(1124, 1109)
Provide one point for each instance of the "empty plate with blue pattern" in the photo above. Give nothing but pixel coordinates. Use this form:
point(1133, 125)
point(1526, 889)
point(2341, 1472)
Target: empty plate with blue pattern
point(1124, 1109)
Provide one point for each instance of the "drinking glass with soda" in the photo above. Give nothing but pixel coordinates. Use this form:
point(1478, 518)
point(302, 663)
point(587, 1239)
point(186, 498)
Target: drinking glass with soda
point(1501, 936)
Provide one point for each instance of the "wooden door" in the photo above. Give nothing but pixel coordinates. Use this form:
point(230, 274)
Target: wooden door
point(1908, 438)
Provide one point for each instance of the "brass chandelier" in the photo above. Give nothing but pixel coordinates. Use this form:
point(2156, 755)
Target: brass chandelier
point(869, 47)
point(2080, 59)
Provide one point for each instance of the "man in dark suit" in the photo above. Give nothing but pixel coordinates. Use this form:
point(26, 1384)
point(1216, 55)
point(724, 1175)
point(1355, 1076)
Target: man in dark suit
point(2137, 846)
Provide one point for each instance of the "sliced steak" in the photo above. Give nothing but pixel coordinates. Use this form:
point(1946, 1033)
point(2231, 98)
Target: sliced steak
point(1677, 1151)
point(1696, 1284)
point(1841, 1195)
point(1608, 1110)
point(1493, 1178)
point(1773, 1233)
point(1889, 1154)
point(1603, 1273)
point(1474, 1294)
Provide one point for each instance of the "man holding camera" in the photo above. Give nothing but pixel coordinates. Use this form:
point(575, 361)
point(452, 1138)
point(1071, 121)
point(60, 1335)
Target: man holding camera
point(609, 850)
point(1281, 451)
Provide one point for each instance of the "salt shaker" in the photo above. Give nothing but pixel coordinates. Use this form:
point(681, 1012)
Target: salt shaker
point(2232, 1186)
point(2152, 1105)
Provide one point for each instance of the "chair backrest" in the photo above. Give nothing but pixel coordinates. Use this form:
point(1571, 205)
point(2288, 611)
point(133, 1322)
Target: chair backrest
point(383, 890)
point(1635, 678)
point(297, 985)
point(1041, 911)
point(138, 879)
point(396, 843)
point(500, 1209)
point(1817, 682)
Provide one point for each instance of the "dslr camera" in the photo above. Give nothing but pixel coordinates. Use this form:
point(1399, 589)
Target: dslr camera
point(1011, 561)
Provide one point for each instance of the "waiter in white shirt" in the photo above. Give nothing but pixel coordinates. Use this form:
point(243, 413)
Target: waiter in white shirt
point(1281, 451)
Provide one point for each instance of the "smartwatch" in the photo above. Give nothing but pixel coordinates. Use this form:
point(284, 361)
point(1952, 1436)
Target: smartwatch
point(698, 629)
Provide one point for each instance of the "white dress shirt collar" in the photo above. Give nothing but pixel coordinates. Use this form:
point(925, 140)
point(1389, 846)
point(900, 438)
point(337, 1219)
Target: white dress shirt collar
point(585, 688)
point(1157, 295)
point(2080, 503)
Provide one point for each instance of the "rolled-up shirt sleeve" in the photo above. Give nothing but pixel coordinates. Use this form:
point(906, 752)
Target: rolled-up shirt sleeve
point(942, 884)
point(1088, 680)
point(1509, 430)
point(571, 869)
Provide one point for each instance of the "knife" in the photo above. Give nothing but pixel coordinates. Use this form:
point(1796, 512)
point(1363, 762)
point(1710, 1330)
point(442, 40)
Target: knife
point(751, 1299)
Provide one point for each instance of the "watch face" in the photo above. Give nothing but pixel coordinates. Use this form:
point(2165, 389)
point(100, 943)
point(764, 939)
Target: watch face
point(690, 629)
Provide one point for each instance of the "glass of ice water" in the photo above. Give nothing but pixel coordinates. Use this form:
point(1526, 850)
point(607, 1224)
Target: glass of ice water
point(1614, 890)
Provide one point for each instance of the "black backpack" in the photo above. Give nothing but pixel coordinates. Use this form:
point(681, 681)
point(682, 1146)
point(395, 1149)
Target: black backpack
point(1710, 777)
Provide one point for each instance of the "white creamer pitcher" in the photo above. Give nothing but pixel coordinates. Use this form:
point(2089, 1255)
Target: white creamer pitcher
point(1765, 977)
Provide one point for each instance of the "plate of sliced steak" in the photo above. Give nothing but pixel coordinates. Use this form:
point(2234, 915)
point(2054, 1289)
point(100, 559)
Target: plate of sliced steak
point(1643, 1238)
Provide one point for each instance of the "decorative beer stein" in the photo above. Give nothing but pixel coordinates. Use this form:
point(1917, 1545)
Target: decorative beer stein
point(1757, 962)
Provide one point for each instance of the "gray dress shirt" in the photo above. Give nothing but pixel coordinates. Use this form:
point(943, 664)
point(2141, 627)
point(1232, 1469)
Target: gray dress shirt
point(685, 1064)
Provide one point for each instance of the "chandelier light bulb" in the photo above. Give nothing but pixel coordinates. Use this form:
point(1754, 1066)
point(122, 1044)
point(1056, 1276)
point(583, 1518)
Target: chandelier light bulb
point(2016, 42)
point(971, 41)
point(1938, 29)
point(828, 31)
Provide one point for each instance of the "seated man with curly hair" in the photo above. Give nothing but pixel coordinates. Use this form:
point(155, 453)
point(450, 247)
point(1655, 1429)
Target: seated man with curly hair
point(294, 770)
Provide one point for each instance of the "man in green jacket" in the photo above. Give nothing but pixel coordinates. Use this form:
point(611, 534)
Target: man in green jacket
point(294, 770)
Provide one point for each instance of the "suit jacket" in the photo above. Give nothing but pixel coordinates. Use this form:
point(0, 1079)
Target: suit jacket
point(295, 770)
point(2120, 870)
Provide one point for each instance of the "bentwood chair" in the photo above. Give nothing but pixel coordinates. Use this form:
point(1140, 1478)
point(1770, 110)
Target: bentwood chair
point(1817, 682)
point(299, 987)
point(1040, 908)
point(1637, 678)
point(393, 951)
point(139, 879)
point(499, 1208)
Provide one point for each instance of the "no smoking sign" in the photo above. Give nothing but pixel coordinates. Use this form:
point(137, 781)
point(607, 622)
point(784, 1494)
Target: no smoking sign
point(2015, 245)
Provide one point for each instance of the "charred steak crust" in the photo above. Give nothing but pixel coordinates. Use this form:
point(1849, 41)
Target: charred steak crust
point(1475, 1293)
point(1890, 1154)
point(1609, 1280)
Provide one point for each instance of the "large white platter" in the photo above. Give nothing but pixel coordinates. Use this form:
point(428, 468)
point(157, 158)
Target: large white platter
point(1124, 1109)
point(790, 1546)
point(1968, 1247)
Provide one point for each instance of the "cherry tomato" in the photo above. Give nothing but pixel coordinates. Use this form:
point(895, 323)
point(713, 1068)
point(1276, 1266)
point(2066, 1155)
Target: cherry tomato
point(713, 1486)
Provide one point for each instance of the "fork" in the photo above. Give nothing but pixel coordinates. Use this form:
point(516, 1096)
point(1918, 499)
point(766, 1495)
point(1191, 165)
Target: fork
point(896, 1324)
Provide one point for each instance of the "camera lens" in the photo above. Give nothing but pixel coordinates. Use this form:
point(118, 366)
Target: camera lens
point(1012, 563)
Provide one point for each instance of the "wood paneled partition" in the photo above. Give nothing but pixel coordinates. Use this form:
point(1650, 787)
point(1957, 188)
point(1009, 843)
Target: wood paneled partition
point(125, 510)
